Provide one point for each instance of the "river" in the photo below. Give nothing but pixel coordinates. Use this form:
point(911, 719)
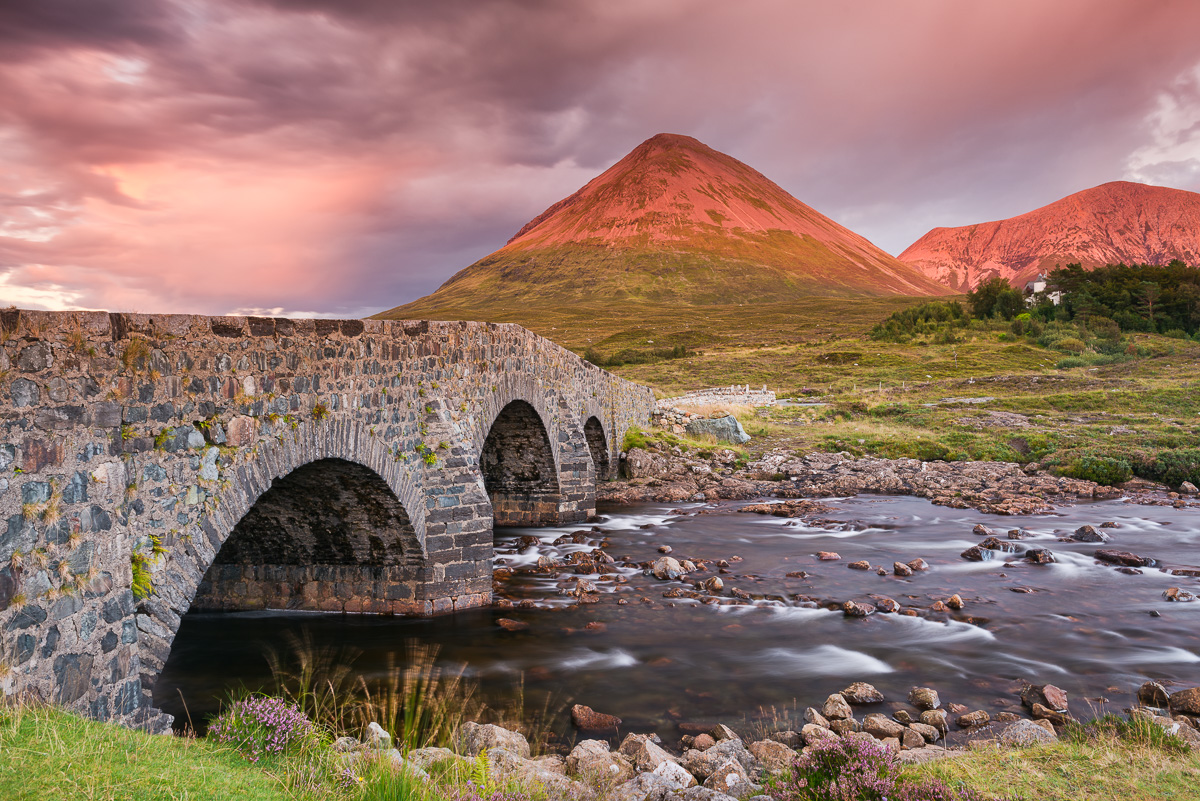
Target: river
point(1077, 623)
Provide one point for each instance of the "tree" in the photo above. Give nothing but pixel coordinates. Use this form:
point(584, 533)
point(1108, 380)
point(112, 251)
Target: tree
point(995, 297)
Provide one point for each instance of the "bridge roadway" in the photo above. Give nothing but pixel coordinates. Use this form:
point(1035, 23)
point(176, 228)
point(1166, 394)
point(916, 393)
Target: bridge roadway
point(154, 463)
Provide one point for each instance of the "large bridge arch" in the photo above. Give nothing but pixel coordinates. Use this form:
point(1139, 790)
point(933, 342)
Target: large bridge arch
point(119, 431)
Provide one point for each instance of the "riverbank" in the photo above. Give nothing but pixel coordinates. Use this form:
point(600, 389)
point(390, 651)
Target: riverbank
point(661, 467)
point(48, 753)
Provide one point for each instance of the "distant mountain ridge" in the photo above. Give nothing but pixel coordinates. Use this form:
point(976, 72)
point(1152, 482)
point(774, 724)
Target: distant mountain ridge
point(1118, 222)
point(676, 221)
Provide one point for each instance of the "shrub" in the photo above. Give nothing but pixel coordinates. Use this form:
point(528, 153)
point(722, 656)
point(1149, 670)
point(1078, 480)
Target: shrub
point(851, 769)
point(1101, 469)
point(1171, 467)
point(1069, 345)
point(262, 726)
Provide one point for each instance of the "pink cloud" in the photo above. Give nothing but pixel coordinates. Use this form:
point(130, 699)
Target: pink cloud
point(346, 156)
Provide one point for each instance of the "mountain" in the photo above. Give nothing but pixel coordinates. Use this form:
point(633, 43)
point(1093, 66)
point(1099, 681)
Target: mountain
point(676, 221)
point(1118, 222)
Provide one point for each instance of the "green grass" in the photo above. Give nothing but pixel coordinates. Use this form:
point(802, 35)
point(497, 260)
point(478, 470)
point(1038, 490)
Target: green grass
point(1103, 761)
point(46, 753)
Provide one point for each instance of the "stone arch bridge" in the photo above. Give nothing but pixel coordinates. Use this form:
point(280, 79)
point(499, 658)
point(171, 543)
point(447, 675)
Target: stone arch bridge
point(154, 463)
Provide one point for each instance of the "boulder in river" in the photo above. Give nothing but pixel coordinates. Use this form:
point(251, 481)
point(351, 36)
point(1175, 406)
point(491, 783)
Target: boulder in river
point(860, 565)
point(862, 693)
point(1176, 594)
point(901, 569)
point(828, 556)
point(1039, 556)
point(857, 609)
point(1125, 558)
point(970, 720)
point(931, 734)
point(666, 567)
point(1185, 701)
point(977, 554)
point(836, 708)
point(1153, 694)
point(1088, 534)
point(918, 565)
point(935, 718)
point(924, 698)
point(996, 544)
point(588, 719)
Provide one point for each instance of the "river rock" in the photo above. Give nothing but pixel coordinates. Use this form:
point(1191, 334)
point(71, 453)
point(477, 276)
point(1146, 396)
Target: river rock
point(811, 715)
point(1153, 694)
point(910, 739)
point(713, 584)
point(774, 756)
point(666, 567)
point(857, 609)
point(977, 554)
point(703, 741)
point(1179, 595)
point(645, 754)
point(918, 565)
point(935, 718)
point(588, 719)
point(836, 708)
point(722, 732)
point(924, 698)
point(845, 726)
point(981, 530)
point(1025, 733)
point(1039, 556)
point(1124, 558)
point(813, 734)
point(1185, 701)
point(504, 764)
point(881, 727)
point(901, 569)
point(701, 764)
point(828, 556)
point(996, 544)
point(970, 720)
point(1056, 717)
point(1056, 697)
point(1088, 534)
point(955, 601)
point(647, 787)
point(860, 565)
point(1188, 488)
point(472, 738)
point(930, 733)
point(862, 693)
point(727, 777)
point(887, 605)
point(592, 760)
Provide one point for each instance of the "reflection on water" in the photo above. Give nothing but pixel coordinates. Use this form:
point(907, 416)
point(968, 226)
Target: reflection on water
point(1082, 625)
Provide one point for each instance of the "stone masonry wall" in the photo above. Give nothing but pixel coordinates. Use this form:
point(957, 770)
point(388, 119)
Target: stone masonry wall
point(145, 439)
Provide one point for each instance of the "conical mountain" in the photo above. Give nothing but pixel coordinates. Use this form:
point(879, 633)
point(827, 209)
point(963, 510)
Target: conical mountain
point(676, 221)
point(1118, 222)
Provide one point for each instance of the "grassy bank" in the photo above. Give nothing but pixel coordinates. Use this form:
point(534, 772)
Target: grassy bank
point(48, 753)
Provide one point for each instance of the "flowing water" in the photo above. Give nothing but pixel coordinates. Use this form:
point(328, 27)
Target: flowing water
point(655, 662)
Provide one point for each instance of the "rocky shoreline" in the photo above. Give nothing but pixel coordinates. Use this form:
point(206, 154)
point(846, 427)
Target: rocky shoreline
point(715, 763)
point(668, 474)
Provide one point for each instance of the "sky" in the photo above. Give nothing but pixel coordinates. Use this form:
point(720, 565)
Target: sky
point(340, 157)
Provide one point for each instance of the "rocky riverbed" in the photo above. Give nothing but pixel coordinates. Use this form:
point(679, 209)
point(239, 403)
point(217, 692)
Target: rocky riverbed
point(666, 473)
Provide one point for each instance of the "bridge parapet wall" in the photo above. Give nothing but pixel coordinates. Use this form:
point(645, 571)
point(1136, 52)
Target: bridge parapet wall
point(142, 440)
